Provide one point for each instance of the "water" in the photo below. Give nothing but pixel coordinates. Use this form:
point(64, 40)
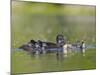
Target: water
point(55, 49)
point(91, 46)
point(22, 62)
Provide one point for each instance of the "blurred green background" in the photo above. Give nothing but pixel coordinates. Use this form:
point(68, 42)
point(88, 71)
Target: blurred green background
point(33, 20)
point(43, 21)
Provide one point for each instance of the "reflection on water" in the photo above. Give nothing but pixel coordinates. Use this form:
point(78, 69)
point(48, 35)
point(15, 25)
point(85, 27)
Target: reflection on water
point(24, 63)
